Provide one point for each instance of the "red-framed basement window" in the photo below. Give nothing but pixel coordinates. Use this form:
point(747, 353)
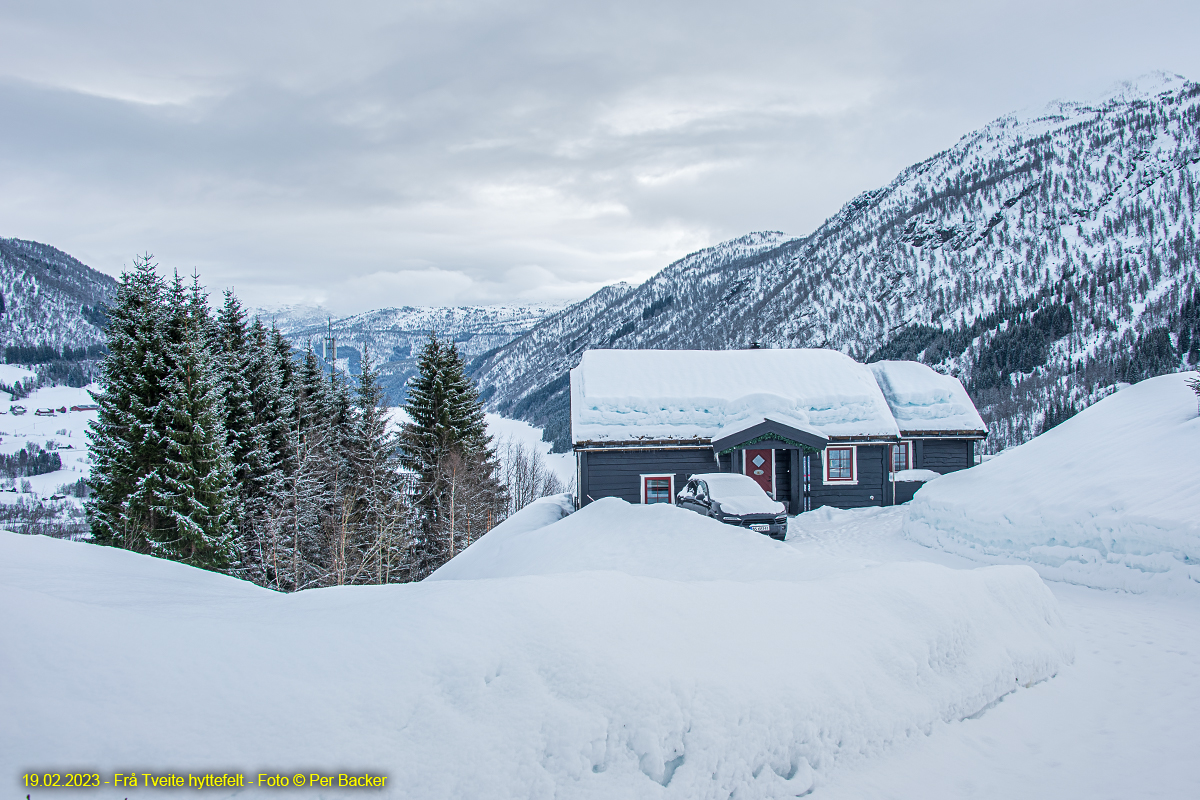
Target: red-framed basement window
point(658, 489)
point(901, 456)
point(841, 465)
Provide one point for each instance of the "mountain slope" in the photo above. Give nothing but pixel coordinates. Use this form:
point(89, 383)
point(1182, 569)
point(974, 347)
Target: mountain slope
point(50, 298)
point(395, 336)
point(1042, 259)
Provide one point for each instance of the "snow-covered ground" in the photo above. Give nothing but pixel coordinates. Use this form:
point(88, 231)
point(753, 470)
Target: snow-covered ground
point(501, 428)
point(1108, 499)
point(562, 464)
point(64, 432)
point(624, 651)
point(641, 652)
point(1117, 723)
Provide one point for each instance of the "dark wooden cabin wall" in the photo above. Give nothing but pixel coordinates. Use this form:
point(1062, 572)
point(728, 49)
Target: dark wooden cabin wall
point(906, 489)
point(869, 491)
point(945, 456)
point(617, 473)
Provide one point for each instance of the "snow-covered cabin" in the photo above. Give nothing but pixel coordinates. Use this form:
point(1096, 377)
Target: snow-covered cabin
point(813, 427)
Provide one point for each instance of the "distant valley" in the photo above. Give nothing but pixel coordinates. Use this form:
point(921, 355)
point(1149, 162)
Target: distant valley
point(394, 336)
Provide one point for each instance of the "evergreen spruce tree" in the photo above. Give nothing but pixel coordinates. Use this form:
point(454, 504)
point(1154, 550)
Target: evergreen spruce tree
point(240, 430)
point(127, 444)
point(446, 444)
point(266, 456)
point(270, 405)
point(197, 501)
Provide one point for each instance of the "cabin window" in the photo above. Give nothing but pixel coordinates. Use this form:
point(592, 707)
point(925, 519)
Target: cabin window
point(840, 465)
point(658, 488)
point(901, 456)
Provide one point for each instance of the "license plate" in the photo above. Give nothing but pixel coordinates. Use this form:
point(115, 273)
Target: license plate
point(760, 528)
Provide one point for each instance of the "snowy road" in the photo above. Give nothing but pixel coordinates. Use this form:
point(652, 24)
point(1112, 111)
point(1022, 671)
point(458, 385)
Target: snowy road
point(1121, 722)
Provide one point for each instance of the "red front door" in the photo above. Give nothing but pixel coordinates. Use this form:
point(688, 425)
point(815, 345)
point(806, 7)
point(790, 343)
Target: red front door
point(760, 465)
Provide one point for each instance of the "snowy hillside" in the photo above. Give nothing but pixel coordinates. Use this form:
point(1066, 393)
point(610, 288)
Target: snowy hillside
point(395, 335)
point(1106, 499)
point(1044, 257)
point(591, 661)
point(50, 298)
point(33, 500)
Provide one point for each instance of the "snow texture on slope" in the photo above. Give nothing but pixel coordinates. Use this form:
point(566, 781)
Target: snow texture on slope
point(49, 298)
point(1107, 499)
point(621, 395)
point(924, 400)
point(693, 665)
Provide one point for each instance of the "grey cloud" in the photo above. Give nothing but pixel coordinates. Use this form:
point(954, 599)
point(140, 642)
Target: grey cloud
point(383, 153)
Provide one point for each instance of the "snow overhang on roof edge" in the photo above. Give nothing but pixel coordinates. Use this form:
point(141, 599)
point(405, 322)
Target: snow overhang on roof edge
point(967, 434)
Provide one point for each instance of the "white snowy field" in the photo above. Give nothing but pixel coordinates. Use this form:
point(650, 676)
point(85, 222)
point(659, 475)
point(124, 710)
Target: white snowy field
point(1120, 722)
point(64, 432)
point(562, 464)
point(646, 652)
point(501, 428)
point(624, 651)
point(1108, 499)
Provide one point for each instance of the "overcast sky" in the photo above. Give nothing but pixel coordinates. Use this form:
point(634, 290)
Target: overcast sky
point(367, 154)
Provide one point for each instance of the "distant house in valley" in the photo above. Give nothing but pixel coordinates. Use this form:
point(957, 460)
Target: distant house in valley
point(813, 427)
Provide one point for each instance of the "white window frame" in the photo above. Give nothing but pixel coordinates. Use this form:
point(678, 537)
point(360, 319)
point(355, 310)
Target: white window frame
point(670, 476)
point(853, 479)
point(908, 457)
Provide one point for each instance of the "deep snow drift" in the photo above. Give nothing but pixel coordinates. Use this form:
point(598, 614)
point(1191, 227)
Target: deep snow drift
point(624, 651)
point(1108, 499)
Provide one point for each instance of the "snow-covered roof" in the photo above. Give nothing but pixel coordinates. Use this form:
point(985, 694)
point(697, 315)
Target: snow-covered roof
point(629, 395)
point(922, 400)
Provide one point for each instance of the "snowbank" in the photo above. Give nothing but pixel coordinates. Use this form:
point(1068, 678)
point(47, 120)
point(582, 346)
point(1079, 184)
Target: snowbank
point(915, 475)
point(1108, 499)
point(656, 541)
point(624, 651)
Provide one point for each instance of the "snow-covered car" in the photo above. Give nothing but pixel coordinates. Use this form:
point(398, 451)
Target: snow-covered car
point(735, 500)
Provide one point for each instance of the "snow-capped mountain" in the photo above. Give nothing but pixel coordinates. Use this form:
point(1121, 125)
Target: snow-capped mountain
point(394, 336)
point(1042, 259)
point(49, 298)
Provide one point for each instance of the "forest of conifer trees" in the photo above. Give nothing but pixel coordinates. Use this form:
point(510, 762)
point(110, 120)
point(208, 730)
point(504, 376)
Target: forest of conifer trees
point(217, 446)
